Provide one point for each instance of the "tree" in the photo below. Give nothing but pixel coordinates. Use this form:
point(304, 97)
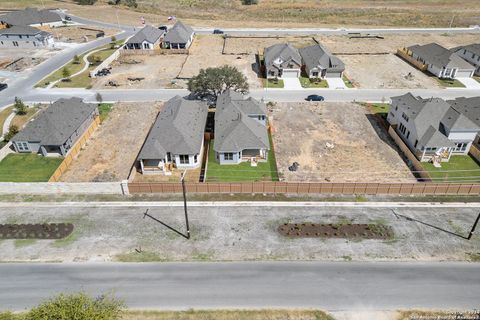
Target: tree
point(249, 2)
point(12, 131)
point(65, 73)
point(76, 59)
point(86, 2)
point(20, 107)
point(99, 97)
point(78, 306)
point(214, 81)
point(113, 42)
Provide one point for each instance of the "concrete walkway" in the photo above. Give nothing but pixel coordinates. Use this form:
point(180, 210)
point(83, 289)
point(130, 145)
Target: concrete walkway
point(6, 124)
point(469, 83)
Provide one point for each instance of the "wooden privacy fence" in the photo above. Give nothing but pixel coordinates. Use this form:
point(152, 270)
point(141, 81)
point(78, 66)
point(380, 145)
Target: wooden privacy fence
point(405, 54)
point(419, 188)
point(74, 151)
point(475, 152)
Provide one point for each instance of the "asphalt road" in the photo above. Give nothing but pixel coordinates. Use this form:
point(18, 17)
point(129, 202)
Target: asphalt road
point(330, 286)
point(139, 95)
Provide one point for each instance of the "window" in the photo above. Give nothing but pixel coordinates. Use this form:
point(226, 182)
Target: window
point(22, 146)
point(408, 134)
point(473, 55)
point(315, 74)
point(402, 128)
point(396, 108)
point(195, 158)
point(228, 156)
point(460, 147)
point(261, 117)
point(20, 36)
point(15, 43)
point(415, 145)
point(404, 116)
point(184, 159)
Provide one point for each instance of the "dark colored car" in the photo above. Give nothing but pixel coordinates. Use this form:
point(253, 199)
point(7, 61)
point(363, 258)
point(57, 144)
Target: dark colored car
point(164, 28)
point(315, 97)
point(68, 18)
point(218, 31)
point(3, 86)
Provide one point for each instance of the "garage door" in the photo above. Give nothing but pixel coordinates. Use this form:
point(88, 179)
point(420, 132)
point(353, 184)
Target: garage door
point(290, 73)
point(463, 74)
point(333, 75)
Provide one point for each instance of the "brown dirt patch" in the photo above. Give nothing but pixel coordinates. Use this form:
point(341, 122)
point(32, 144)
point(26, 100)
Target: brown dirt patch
point(246, 45)
point(80, 34)
point(113, 148)
point(336, 142)
point(315, 230)
point(35, 231)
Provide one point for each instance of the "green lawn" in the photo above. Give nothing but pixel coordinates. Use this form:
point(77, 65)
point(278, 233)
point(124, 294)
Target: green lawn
point(380, 108)
point(450, 83)
point(243, 172)
point(347, 81)
point(456, 163)
point(104, 109)
point(27, 168)
point(310, 83)
point(272, 84)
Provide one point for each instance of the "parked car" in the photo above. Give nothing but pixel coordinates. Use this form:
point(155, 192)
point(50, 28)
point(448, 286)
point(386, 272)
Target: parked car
point(164, 28)
point(100, 34)
point(315, 97)
point(218, 31)
point(68, 18)
point(3, 86)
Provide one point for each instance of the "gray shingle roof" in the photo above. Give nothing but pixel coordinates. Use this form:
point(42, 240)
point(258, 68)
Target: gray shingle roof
point(439, 56)
point(284, 51)
point(22, 30)
point(234, 130)
point(469, 107)
point(429, 115)
point(57, 123)
point(30, 16)
point(178, 129)
point(147, 33)
point(316, 55)
point(179, 33)
point(473, 48)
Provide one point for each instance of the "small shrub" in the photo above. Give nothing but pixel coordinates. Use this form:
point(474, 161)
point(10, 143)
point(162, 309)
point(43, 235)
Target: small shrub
point(12, 131)
point(20, 107)
point(76, 59)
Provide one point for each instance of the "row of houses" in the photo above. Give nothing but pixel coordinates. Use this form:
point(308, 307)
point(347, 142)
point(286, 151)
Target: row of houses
point(285, 61)
point(180, 36)
point(27, 28)
point(458, 62)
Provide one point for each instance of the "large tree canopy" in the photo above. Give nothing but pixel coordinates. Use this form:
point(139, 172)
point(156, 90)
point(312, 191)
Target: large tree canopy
point(214, 81)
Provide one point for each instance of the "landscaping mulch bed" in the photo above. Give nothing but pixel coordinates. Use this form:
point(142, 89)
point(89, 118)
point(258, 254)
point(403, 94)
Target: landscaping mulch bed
point(35, 231)
point(315, 230)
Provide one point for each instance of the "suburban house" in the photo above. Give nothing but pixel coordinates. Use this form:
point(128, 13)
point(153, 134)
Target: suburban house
point(471, 54)
point(321, 63)
point(25, 37)
point(56, 129)
point(147, 38)
point(31, 17)
point(282, 61)
point(180, 36)
point(438, 60)
point(240, 129)
point(432, 128)
point(176, 138)
point(470, 108)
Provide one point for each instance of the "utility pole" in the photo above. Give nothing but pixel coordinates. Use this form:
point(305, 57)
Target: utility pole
point(184, 189)
point(473, 227)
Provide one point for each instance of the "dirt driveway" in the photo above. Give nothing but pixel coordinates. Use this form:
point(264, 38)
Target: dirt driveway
point(337, 142)
point(111, 151)
point(385, 71)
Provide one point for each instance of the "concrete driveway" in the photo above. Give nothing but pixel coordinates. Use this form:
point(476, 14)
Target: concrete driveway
point(336, 83)
point(469, 83)
point(292, 84)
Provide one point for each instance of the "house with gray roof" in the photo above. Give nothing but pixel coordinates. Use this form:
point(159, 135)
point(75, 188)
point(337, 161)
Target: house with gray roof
point(282, 61)
point(470, 108)
point(176, 138)
point(440, 61)
point(147, 38)
point(432, 128)
point(56, 129)
point(180, 36)
point(240, 129)
point(470, 53)
point(31, 17)
point(25, 37)
point(319, 62)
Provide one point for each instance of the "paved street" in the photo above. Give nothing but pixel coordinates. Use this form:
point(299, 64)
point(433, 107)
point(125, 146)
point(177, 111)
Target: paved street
point(325, 285)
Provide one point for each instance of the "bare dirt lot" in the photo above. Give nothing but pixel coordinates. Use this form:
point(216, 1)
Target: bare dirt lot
point(80, 34)
point(19, 59)
point(111, 151)
point(173, 70)
point(252, 45)
point(385, 71)
point(238, 233)
point(337, 142)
